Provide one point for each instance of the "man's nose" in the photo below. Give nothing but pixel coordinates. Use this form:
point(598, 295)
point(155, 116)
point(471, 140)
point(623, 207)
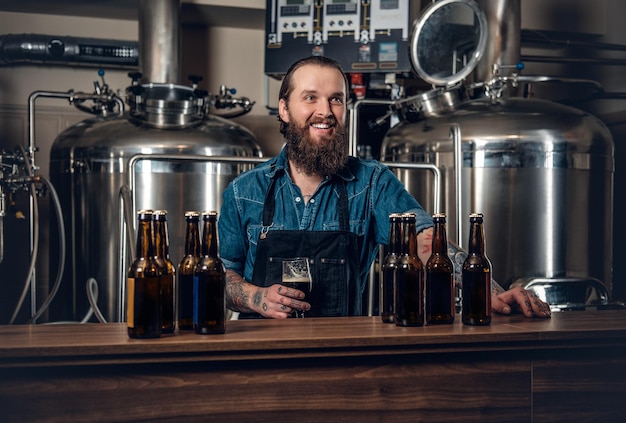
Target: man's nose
point(323, 109)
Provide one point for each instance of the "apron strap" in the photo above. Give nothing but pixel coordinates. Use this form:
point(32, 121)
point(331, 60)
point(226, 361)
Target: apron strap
point(344, 215)
point(270, 202)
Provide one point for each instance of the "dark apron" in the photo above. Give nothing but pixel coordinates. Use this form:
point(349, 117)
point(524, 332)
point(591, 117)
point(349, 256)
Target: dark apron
point(333, 258)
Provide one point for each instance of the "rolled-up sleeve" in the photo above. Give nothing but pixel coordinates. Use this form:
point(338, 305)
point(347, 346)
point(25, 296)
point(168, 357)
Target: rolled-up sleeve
point(391, 196)
point(231, 234)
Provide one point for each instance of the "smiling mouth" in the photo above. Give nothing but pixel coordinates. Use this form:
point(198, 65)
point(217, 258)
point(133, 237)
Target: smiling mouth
point(322, 125)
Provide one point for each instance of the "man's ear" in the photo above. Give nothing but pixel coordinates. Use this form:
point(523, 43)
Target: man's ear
point(282, 110)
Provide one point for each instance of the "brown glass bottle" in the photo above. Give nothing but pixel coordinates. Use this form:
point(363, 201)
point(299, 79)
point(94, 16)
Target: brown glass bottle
point(439, 290)
point(186, 269)
point(209, 283)
point(389, 268)
point(161, 243)
point(143, 311)
point(476, 277)
point(409, 296)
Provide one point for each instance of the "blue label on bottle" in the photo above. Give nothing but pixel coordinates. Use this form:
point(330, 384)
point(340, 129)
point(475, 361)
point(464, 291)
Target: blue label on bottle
point(195, 299)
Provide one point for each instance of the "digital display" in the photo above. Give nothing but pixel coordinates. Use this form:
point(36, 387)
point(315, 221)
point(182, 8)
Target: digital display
point(389, 4)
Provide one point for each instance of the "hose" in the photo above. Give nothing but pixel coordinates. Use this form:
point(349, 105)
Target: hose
point(92, 296)
point(57, 282)
point(33, 256)
point(1, 238)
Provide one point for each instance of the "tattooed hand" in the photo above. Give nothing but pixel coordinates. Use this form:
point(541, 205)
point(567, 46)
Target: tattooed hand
point(520, 300)
point(276, 301)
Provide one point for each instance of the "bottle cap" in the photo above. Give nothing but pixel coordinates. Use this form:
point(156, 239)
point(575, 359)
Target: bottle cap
point(160, 215)
point(209, 213)
point(192, 213)
point(409, 216)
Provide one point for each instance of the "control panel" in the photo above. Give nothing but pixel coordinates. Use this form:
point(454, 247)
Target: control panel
point(362, 35)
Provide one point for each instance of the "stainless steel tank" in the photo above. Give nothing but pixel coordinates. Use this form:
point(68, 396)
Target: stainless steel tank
point(541, 172)
point(161, 152)
point(89, 164)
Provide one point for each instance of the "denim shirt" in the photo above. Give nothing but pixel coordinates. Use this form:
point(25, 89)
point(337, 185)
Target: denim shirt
point(374, 192)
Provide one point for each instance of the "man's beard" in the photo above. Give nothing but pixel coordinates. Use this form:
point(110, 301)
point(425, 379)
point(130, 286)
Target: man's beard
point(323, 158)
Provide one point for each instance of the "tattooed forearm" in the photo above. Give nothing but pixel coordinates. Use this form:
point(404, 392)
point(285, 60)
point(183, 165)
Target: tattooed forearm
point(237, 297)
point(458, 256)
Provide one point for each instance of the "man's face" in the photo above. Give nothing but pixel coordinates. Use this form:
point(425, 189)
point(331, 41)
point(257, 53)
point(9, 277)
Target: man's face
point(315, 117)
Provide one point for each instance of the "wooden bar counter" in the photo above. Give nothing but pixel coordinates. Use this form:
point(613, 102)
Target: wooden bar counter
point(570, 368)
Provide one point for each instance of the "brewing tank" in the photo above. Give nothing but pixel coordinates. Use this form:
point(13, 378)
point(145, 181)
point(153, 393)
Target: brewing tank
point(161, 153)
point(540, 172)
point(147, 151)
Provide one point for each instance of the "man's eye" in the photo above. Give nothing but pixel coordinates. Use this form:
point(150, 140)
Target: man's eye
point(337, 100)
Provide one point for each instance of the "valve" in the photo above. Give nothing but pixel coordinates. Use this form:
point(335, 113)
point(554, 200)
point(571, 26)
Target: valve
point(103, 98)
point(225, 100)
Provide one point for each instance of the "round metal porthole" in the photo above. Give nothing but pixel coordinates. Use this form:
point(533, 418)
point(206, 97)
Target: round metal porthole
point(447, 41)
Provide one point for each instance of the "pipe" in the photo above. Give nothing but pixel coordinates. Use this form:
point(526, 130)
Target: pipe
point(455, 134)
point(159, 41)
point(530, 37)
point(353, 121)
point(503, 44)
point(575, 60)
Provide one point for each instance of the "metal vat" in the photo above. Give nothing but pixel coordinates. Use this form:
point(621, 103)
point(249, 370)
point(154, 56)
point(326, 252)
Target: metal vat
point(89, 163)
point(159, 155)
point(542, 174)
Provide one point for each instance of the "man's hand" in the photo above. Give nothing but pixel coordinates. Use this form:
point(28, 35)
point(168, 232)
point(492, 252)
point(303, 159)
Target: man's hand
point(276, 301)
point(520, 300)
point(425, 244)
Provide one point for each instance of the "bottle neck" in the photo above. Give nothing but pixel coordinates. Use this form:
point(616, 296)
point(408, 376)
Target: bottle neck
point(166, 240)
point(159, 238)
point(412, 239)
point(476, 241)
point(209, 246)
point(440, 239)
point(192, 238)
point(395, 237)
point(409, 238)
point(145, 246)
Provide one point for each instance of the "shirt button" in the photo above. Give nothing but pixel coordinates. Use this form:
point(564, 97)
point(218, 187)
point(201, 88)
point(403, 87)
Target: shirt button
point(312, 200)
point(298, 199)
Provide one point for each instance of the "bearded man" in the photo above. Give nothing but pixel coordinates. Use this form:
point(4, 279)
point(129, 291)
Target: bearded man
point(313, 201)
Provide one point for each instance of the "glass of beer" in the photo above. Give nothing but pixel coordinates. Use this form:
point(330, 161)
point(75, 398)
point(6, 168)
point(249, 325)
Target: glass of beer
point(297, 274)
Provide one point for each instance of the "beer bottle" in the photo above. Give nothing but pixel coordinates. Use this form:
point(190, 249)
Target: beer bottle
point(161, 242)
point(439, 295)
point(186, 269)
point(389, 268)
point(476, 277)
point(409, 297)
point(143, 313)
point(209, 283)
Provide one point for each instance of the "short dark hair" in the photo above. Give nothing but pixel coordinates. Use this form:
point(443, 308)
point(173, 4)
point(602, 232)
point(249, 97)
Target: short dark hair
point(287, 85)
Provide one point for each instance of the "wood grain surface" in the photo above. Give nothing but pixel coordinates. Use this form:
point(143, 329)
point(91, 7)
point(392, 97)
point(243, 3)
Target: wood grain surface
point(568, 368)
